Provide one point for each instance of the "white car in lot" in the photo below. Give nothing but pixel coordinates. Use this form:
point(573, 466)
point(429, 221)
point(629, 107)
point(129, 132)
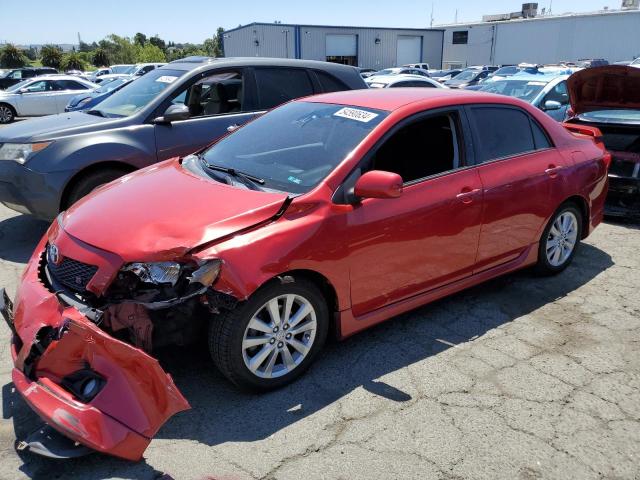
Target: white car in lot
point(43, 95)
point(401, 81)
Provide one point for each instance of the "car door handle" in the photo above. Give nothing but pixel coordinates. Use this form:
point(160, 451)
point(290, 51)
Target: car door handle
point(467, 194)
point(552, 171)
point(233, 127)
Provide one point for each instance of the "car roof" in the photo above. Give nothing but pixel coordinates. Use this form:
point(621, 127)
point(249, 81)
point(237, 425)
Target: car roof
point(61, 76)
point(195, 62)
point(396, 78)
point(393, 99)
point(536, 77)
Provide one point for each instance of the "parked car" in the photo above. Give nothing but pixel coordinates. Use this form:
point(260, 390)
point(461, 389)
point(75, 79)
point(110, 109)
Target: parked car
point(546, 92)
point(89, 99)
point(402, 71)
point(111, 76)
point(75, 73)
point(327, 214)
point(366, 72)
point(401, 81)
point(43, 95)
point(592, 62)
point(467, 78)
point(142, 68)
point(17, 75)
point(607, 98)
point(170, 111)
point(421, 66)
point(120, 68)
point(93, 76)
point(443, 75)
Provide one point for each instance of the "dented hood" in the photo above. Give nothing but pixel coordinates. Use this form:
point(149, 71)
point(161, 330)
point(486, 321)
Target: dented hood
point(602, 88)
point(163, 211)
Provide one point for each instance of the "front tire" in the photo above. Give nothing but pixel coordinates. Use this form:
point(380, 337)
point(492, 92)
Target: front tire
point(7, 113)
point(560, 240)
point(90, 182)
point(272, 339)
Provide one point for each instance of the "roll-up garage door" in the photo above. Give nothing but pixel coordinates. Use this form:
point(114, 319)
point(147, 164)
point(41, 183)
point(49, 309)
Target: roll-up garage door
point(409, 50)
point(342, 45)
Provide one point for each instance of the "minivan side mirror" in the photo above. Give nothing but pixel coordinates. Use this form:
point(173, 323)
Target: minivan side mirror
point(378, 184)
point(552, 105)
point(174, 113)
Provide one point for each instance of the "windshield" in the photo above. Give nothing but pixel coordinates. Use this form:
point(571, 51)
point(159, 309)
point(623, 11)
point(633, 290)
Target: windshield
point(18, 86)
point(506, 71)
point(139, 94)
point(4, 73)
point(295, 146)
point(466, 75)
point(526, 90)
point(120, 68)
point(111, 84)
point(389, 71)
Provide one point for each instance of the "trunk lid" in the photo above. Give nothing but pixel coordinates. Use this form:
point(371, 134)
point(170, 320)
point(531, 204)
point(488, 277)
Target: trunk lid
point(604, 88)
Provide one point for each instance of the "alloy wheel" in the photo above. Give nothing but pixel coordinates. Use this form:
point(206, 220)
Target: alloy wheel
point(6, 115)
point(562, 238)
point(279, 336)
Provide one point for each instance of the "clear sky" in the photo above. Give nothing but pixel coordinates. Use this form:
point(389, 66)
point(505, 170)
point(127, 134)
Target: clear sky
point(59, 21)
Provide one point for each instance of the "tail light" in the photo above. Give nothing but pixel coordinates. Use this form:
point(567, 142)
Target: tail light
point(607, 158)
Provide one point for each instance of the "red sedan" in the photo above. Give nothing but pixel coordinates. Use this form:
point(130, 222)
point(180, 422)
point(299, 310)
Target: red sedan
point(328, 214)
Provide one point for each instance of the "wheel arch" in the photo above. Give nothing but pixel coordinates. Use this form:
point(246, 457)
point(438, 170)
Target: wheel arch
point(583, 207)
point(90, 169)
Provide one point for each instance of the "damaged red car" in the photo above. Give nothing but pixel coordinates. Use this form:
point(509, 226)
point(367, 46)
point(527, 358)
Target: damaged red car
point(326, 215)
point(608, 98)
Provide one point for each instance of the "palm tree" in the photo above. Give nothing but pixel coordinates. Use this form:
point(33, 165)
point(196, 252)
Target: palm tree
point(72, 61)
point(51, 56)
point(12, 57)
point(100, 58)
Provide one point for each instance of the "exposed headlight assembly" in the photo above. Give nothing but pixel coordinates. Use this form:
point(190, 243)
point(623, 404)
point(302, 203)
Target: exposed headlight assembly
point(156, 273)
point(21, 152)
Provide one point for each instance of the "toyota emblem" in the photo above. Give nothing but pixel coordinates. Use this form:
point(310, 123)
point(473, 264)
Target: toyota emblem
point(54, 255)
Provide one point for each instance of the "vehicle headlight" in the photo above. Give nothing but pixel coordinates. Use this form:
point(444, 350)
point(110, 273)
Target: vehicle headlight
point(21, 152)
point(83, 101)
point(159, 273)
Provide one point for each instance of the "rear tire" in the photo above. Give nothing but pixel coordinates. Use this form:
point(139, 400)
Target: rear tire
point(271, 355)
point(560, 240)
point(90, 182)
point(7, 113)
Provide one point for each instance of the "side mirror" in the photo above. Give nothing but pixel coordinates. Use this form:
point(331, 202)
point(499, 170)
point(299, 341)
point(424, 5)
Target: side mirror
point(552, 105)
point(174, 113)
point(23, 90)
point(378, 184)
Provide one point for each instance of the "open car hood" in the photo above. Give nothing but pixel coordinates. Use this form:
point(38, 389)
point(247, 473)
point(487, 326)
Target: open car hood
point(164, 211)
point(602, 88)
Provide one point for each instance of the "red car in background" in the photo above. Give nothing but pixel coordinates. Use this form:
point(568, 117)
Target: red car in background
point(332, 213)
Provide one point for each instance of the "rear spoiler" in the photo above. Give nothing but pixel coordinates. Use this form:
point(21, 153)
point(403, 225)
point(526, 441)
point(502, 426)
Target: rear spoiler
point(584, 130)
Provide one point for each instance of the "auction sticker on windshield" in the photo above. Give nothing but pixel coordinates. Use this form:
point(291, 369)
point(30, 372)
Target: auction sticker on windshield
point(166, 79)
point(356, 114)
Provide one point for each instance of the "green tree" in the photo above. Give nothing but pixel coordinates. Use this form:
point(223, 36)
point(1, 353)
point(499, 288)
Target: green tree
point(31, 54)
point(51, 56)
point(220, 44)
point(140, 39)
point(158, 42)
point(100, 58)
point(149, 53)
point(119, 49)
point(72, 61)
point(84, 47)
point(12, 57)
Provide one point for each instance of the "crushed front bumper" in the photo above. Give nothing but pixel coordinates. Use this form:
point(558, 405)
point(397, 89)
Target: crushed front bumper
point(53, 343)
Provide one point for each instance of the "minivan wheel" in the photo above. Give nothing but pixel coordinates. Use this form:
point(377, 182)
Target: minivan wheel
point(7, 113)
point(88, 183)
point(560, 240)
point(270, 340)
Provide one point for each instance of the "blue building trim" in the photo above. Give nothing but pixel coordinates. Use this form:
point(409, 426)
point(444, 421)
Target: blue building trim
point(298, 42)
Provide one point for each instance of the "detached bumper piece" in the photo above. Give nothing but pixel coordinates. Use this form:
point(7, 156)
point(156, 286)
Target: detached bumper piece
point(49, 443)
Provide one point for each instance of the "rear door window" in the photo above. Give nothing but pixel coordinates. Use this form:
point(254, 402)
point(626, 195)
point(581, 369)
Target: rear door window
point(69, 85)
point(501, 132)
point(279, 85)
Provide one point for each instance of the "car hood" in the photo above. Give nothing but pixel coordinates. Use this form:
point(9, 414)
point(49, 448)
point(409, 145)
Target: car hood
point(601, 88)
point(163, 211)
point(51, 127)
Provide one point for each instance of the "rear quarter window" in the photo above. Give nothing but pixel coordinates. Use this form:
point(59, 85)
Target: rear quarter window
point(329, 83)
point(279, 85)
point(501, 132)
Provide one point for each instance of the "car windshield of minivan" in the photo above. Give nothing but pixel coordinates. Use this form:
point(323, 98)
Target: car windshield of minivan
point(524, 89)
point(294, 147)
point(139, 94)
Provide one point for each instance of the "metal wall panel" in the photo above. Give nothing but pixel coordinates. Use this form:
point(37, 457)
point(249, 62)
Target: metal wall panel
point(377, 48)
point(612, 36)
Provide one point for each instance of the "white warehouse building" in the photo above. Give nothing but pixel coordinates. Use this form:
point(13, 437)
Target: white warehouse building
point(611, 35)
point(365, 47)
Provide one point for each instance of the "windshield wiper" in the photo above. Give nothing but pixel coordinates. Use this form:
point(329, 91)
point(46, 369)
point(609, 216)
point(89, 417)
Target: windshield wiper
point(95, 112)
point(233, 172)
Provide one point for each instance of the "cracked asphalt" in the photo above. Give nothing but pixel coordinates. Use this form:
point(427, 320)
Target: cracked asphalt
point(520, 378)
